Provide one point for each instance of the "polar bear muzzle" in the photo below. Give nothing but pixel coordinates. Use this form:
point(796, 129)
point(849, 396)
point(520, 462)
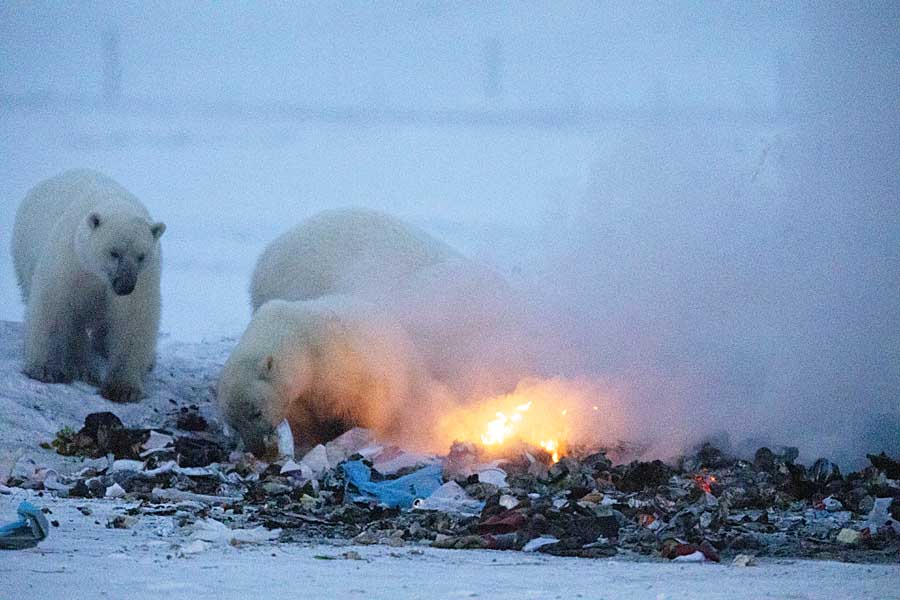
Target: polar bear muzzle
point(125, 277)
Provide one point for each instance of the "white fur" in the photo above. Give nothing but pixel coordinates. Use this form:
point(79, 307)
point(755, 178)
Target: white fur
point(331, 360)
point(65, 231)
point(430, 316)
point(343, 251)
point(461, 316)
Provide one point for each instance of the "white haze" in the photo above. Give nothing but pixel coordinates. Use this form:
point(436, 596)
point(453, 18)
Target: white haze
point(698, 203)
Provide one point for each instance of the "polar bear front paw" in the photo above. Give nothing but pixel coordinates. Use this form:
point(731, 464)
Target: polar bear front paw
point(48, 373)
point(119, 391)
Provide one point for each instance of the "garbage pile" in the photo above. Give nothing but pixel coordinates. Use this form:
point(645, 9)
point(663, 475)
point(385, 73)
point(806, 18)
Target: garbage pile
point(707, 507)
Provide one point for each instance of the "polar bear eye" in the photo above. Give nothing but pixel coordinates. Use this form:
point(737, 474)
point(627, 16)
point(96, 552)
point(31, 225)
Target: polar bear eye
point(114, 254)
point(141, 258)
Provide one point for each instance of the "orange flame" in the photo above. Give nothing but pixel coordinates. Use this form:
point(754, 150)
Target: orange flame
point(531, 414)
point(704, 482)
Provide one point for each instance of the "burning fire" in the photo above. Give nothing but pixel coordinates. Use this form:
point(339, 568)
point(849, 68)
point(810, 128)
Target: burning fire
point(704, 482)
point(536, 413)
point(503, 427)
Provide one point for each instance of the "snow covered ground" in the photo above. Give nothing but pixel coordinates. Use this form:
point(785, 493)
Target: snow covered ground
point(82, 558)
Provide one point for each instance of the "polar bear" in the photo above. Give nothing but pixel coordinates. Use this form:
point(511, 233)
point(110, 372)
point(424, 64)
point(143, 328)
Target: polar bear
point(341, 251)
point(87, 258)
point(325, 365)
point(463, 317)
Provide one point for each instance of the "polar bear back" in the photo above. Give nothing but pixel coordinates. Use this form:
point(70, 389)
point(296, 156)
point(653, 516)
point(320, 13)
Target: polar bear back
point(342, 251)
point(53, 210)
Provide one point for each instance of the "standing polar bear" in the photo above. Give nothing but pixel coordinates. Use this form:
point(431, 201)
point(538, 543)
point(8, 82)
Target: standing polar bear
point(87, 258)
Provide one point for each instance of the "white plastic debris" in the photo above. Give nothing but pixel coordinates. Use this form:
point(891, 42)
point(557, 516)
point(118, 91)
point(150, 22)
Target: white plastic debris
point(744, 560)
point(291, 466)
point(692, 557)
point(848, 537)
point(115, 491)
point(879, 515)
point(450, 498)
point(508, 502)
point(195, 547)
point(173, 495)
point(158, 440)
point(348, 443)
point(539, 542)
point(127, 465)
point(285, 440)
point(402, 460)
point(166, 467)
point(95, 465)
point(216, 532)
point(51, 482)
point(316, 460)
point(832, 504)
point(493, 475)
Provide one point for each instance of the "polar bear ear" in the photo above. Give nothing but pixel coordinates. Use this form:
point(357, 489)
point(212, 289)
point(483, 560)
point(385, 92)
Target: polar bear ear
point(93, 220)
point(157, 229)
point(267, 367)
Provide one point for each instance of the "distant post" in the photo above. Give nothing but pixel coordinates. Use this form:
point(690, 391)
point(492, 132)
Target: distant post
point(112, 68)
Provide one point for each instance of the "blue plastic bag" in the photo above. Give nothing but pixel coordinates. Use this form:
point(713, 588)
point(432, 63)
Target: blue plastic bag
point(27, 531)
point(400, 492)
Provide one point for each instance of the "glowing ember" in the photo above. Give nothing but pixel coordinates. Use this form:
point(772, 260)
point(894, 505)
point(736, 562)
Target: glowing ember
point(537, 413)
point(552, 448)
point(704, 482)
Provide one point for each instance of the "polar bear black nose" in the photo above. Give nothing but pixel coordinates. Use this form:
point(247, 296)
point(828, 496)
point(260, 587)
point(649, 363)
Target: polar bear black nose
point(123, 284)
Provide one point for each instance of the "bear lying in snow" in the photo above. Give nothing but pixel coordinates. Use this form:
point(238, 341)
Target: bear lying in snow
point(325, 365)
point(87, 259)
point(411, 309)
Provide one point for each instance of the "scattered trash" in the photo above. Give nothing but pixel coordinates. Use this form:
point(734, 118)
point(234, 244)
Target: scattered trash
point(285, 440)
point(450, 498)
point(388, 463)
point(194, 547)
point(744, 560)
point(103, 433)
point(122, 522)
point(115, 491)
point(316, 461)
point(677, 550)
point(882, 462)
point(539, 542)
point(492, 475)
point(848, 537)
point(197, 452)
point(880, 516)
point(180, 495)
point(189, 419)
point(27, 532)
point(400, 492)
point(157, 443)
point(216, 532)
point(707, 506)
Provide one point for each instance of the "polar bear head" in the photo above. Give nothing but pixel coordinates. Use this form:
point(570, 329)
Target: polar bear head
point(325, 365)
point(118, 247)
